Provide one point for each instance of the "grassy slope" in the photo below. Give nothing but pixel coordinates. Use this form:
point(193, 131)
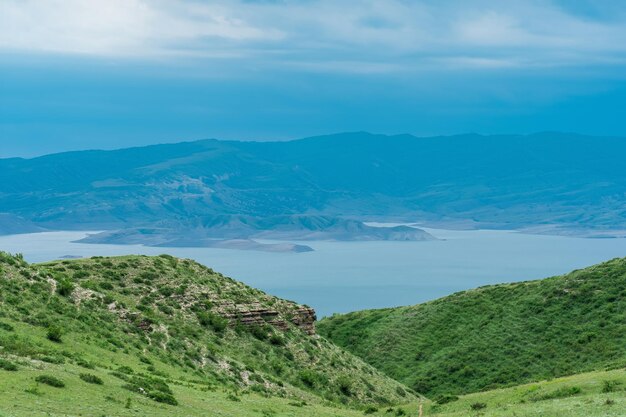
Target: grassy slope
point(498, 335)
point(135, 321)
point(582, 395)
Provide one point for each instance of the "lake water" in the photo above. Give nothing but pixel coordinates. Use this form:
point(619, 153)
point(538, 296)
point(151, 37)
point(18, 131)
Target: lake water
point(347, 276)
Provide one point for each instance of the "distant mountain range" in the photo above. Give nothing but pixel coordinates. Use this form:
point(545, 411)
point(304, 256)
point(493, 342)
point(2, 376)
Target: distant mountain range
point(322, 188)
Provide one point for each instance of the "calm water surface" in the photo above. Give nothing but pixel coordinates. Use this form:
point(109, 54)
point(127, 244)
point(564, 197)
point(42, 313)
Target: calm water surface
point(347, 276)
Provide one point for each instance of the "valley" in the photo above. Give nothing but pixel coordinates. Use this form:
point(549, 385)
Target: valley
point(165, 336)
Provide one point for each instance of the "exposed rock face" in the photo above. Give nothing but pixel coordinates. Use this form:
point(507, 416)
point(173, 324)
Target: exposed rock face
point(305, 319)
point(254, 314)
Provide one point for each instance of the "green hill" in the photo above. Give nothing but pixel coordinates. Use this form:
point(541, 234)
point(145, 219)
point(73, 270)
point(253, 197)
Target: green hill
point(592, 394)
point(496, 336)
point(139, 335)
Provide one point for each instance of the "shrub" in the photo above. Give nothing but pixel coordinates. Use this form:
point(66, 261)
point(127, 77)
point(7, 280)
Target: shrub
point(345, 385)
point(610, 386)
point(50, 380)
point(162, 397)
point(259, 332)
point(91, 379)
point(154, 388)
point(54, 334)
point(445, 398)
point(56, 359)
point(563, 392)
point(166, 291)
point(80, 274)
point(106, 286)
point(277, 340)
point(65, 287)
point(233, 397)
point(208, 319)
point(7, 366)
point(85, 364)
point(125, 369)
point(5, 326)
point(308, 378)
point(478, 406)
point(370, 409)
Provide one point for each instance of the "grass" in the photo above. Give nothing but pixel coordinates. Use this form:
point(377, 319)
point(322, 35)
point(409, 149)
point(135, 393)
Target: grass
point(111, 399)
point(496, 336)
point(150, 325)
point(574, 396)
point(123, 354)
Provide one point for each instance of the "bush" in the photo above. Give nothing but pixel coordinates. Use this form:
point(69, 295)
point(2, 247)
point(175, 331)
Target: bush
point(308, 378)
point(478, 406)
point(91, 379)
point(162, 397)
point(50, 380)
point(345, 385)
point(85, 364)
point(154, 388)
point(370, 409)
point(208, 319)
point(445, 398)
point(5, 326)
point(54, 334)
point(56, 359)
point(563, 392)
point(610, 386)
point(7, 366)
point(277, 340)
point(259, 332)
point(65, 287)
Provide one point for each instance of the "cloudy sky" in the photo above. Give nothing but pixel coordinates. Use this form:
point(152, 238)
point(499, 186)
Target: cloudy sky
point(78, 74)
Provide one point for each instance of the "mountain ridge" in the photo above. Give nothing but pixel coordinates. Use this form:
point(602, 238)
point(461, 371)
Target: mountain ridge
point(551, 183)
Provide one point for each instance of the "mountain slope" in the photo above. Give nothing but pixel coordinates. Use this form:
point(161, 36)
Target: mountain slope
point(550, 182)
point(497, 335)
point(592, 394)
point(146, 325)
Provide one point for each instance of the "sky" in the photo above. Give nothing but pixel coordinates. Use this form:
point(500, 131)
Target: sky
point(83, 74)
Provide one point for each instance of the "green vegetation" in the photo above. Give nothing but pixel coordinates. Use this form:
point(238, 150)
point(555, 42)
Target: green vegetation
point(7, 365)
point(91, 379)
point(161, 332)
point(496, 336)
point(50, 380)
point(579, 395)
point(161, 336)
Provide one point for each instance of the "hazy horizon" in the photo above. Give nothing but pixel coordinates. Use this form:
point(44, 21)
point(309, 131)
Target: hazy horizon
point(5, 152)
point(112, 74)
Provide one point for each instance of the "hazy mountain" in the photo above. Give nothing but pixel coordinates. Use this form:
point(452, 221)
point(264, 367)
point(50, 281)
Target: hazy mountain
point(547, 183)
point(12, 224)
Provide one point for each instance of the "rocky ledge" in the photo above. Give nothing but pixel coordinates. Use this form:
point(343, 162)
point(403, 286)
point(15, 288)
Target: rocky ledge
point(254, 314)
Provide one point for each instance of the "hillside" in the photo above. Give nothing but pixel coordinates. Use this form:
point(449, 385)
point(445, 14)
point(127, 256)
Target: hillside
point(496, 336)
point(159, 332)
point(593, 394)
point(324, 187)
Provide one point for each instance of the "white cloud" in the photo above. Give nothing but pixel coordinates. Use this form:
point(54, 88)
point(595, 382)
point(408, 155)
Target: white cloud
point(373, 36)
point(119, 27)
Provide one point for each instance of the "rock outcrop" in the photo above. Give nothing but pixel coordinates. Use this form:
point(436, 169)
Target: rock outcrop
point(255, 314)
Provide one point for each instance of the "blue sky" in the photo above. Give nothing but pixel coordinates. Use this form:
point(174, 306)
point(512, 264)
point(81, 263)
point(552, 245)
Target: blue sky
point(77, 74)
